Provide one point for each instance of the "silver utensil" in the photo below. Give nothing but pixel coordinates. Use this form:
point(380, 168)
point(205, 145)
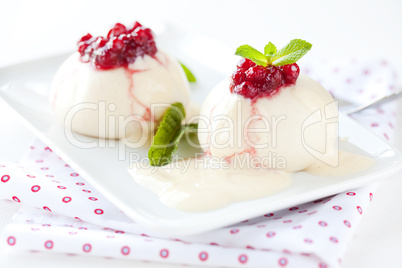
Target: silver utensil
point(349, 108)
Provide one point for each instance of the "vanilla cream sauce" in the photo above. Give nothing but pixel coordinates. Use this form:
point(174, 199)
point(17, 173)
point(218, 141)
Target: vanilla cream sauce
point(196, 185)
point(348, 164)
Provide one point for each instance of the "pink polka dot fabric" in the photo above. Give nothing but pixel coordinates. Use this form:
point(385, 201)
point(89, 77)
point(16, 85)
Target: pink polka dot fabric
point(63, 213)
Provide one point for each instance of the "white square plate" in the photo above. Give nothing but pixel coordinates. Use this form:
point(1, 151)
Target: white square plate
point(24, 87)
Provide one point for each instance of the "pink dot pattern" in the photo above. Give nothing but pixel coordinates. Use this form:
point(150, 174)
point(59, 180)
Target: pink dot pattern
point(125, 250)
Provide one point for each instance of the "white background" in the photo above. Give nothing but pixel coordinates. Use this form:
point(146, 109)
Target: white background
point(33, 29)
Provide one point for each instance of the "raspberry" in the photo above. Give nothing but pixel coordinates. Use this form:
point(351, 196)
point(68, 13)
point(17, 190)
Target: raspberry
point(238, 77)
point(290, 72)
point(257, 75)
point(85, 38)
point(83, 44)
point(245, 64)
point(117, 30)
point(247, 90)
point(100, 42)
point(274, 78)
point(136, 25)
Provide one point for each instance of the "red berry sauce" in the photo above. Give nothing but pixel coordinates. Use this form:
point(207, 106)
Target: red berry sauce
point(254, 81)
point(120, 48)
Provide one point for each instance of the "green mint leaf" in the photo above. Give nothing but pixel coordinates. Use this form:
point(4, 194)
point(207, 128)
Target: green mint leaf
point(252, 54)
point(168, 136)
point(190, 76)
point(269, 51)
point(291, 53)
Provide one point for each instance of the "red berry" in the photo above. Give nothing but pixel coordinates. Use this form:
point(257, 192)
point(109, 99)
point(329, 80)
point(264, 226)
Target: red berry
point(81, 48)
point(290, 73)
point(257, 75)
point(100, 42)
point(274, 78)
point(124, 37)
point(142, 34)
point(136, 25)
point(238, 77)
point(107, 60)
point(117, 30)
point(131, 50)
point(244, 64)
point(85, 38)
point(83, 43)
point(117, 44)
point(247, 90)
point(120, 48)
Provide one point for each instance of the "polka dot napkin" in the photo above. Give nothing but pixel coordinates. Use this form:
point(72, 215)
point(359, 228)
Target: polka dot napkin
point(63, 213)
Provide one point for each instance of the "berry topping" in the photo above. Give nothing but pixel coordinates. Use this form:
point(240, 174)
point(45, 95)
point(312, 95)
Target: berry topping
point(263, 74)
point(251, 80)
point(120, 48)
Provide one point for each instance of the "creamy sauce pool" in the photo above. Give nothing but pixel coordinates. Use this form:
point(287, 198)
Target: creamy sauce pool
point(196, 185)
point(348, 164)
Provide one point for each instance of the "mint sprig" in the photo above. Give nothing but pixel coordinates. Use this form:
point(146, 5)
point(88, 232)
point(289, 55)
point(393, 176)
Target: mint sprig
point(289, 54)
point(168, 136)
point(251, 53)
point(190, 76)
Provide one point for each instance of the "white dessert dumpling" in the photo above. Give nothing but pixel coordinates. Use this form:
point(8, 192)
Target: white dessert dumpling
point(117, 86)
point(284, 125)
